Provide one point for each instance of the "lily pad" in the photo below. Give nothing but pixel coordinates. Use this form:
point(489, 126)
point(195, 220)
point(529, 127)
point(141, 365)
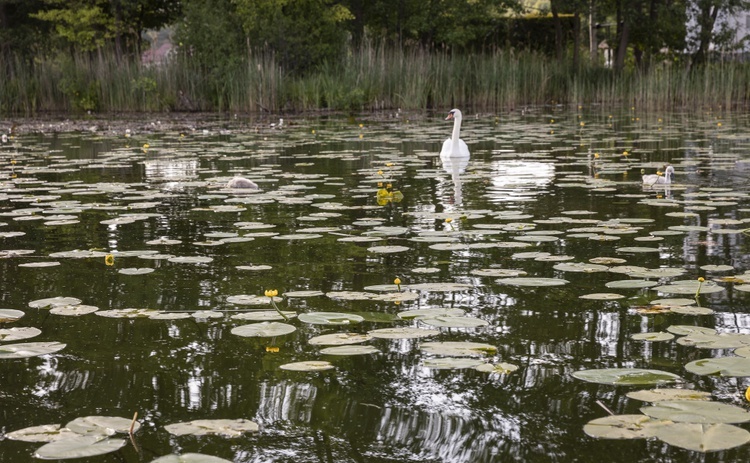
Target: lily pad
point(658, 395)
point(330, 318)
point(190, 458)
point(102, 425)
point(696, 411)
point(451, 363)
point(73, 310)
point(683, 330)
point(602, 296)
point(263, 330)
point(42, 433)
point(349, 350)
point(339, 339)
point(135, 271)
point(310, 365)
point(502, 368)
point(630, 284)
point(263, 315)
point(455, 322)
point(458, 349)
point(621, 427)
point(702, 437)
point(532, 282)
point(626, 376)
point(224, 428)
point(402, 333)
point(78, 447)
point(10, 315)
point(689, 287)
point(419, 314)
point(17, 334)
point(722, 366)
point(53, 301)
point(29, 349)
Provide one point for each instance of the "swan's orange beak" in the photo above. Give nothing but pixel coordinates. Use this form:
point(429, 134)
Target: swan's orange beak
point(450, 116)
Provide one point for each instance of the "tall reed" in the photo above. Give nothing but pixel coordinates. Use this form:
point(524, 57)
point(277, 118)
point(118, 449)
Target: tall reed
point(371, 77)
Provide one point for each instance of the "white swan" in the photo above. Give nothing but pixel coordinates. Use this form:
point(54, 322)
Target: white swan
point(454, 147)
point(242, 182)
point(656, 179)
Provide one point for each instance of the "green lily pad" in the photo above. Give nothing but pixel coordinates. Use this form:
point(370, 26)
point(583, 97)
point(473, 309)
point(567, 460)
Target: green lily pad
point(442, 287)
point(451, 363)
point(73, 310)
point(53, 301)
point(658, 395)
point(419, 314)
point(580, 267)
point(42, 433)
point(498, 272)
point(101, 425)
point(682, 330)
point(696, 411)
point(330, 318)
point(190, 260)
point(654, 337)
point(17, 334)
point(532, 282)
point(689, 287)
point(458, 349)
point(135, 271)
point(190, 458)
point(10, 315)
point(127, 313)
point(700, 437)
point(502, 368)
point(78, 447)
point(263, 330)
point(244, 299)
point(349, 350)
point(402, 333)
point(636, 249)
point(224, 428)
point(630, 284)
point(715, 340)
point(621, 427)
point(310, 365)
point(303, 293)
point(717, 268)
point(626, 376)
point(339, 339)
point(29, 349)
point(722, 366)
point(692, 310)
point(673, 301)
point(602, 296)
point(263, 315)
point(455, 322)
point(387, 249)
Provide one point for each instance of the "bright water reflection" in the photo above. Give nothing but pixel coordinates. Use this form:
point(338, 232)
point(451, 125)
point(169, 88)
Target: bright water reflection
point(565, 189)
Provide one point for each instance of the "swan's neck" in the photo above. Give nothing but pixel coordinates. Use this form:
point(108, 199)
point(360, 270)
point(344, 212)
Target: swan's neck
point(456, 134)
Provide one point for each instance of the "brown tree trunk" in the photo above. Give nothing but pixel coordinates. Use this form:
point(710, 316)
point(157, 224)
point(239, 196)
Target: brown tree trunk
point(558, 30)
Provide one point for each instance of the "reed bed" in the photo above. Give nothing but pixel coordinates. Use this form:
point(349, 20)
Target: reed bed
point(368, 78)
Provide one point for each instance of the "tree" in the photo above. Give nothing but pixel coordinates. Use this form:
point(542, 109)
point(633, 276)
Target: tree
point(704, 14)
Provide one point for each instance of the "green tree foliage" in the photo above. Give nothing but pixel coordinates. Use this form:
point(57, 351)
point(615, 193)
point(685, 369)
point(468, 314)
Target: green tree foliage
point(302, 33)
point(83, 24)
point(20, 33)
point(704, 15)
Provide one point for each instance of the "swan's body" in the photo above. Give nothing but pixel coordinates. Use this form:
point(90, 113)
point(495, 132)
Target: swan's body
point(242, 182)
point(454, 147)
point(655, 179)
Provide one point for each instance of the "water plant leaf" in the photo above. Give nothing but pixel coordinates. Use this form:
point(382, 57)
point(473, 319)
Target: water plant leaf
point(419, 314)
point(458, 348)
point(349, 350)
point(691, 310)
point(53, 301)
point(630, 284)
point(636, 249)
point(262, 316)
point(660, 394)
point(244, 299)
point(224, 428)
point(42, 433)
point(626, 376)
point(502, 368)
point(73, 310)
point(191, 259)
point(696, 411)
point(263, 330)
point(580, 267)
point(190, 458)
point(498, 272)
point(309, 365)
point(715, 340)
point(532, 282)
point(722, 366)
point(602, 296)
point(654, 337)
point(101, 425)
point(689, 287)
point(441, 287)
point(10, 315)
point(455, 322)
point(29, 349)
point(17, 334)
point(702, 437)
point(135, 271)
point(127, 313)
point(450, 363)
point(621, 427)
point(310, 293)
point(78, 447)
point(683, 330)
point(339, 339)
point(39, 264)
point(402, 333)
point(330, 318)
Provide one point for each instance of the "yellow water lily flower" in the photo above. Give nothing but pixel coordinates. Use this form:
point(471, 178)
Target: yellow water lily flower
point(109, 259)
point(271, 293)
point(272, 349)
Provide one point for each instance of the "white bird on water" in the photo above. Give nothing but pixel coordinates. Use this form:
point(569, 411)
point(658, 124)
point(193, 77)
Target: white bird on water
point(454, 147)
point(242, 182)
point(656, 179)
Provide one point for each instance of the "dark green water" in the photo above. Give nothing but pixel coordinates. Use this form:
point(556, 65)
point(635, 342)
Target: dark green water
point(385, 407)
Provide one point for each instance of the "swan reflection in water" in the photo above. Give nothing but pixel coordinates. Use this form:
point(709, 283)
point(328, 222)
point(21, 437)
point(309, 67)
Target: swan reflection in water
point(455, 167)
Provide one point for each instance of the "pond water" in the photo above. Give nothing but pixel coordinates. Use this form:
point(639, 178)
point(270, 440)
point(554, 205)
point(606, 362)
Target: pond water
point(544, 193)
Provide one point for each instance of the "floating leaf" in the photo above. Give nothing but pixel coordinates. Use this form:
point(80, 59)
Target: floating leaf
point(630, 284)
point(339, 339)
point(349, 350)
point(53, 301)
point(10, 315)
point(722, 366)
point(658, 395)
point(419, 314)
point(29, 349)
point(190, 458)
point(450, 363)
point(502, 368)
point(695, 411)
point(225, 428)
point(654, 337)
point(73, 310)
point(191, 260)
point(101, 425)
point(263, 330)
point(683, 330)
point(78, 447)
point(626, 376)
point(715, 340)
point(310, 365)
point(689, 287)
point(621, 427)
point(42, 433)
point(135, 271)
point(580, 267)
point(402, 333)
point(602, 296)
point(330, 318)
point(455, 322)
point(702, 437)
point(458, 349)
point(17, 334)
point(127, 313)
point(690, 310)
point(532, 282)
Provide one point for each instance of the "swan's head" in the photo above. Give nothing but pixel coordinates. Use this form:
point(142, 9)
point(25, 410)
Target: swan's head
point(453, 114)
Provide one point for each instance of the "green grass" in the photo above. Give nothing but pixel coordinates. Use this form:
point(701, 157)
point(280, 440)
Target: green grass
point(369, 78)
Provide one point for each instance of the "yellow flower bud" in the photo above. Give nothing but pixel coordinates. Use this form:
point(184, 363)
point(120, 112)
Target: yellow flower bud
point(109, 259)
point(397, 281)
